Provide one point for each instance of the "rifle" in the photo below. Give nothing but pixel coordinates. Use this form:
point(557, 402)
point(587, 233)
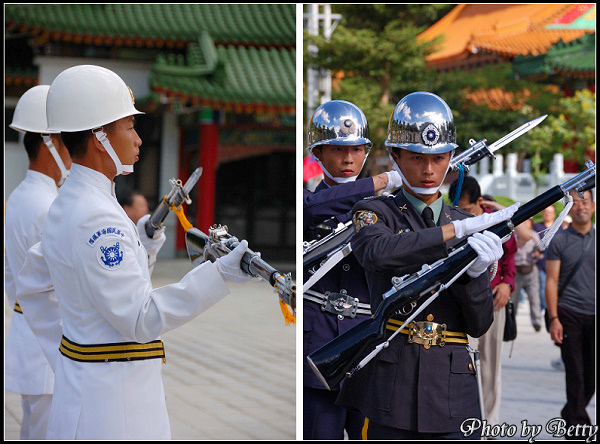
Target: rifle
point(179, 193)
point(218, 243)
point(333, 247)
point(339, 357)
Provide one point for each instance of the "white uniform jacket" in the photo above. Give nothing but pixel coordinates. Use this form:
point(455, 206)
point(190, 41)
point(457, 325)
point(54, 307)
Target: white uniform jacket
point(99, 270)
point(26, 369)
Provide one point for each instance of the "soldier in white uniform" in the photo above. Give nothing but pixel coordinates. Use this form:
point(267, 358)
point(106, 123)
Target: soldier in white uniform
point(108, 375)
point(26, 369)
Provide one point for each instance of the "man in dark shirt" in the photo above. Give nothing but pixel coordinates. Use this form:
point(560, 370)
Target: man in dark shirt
point(572, 306)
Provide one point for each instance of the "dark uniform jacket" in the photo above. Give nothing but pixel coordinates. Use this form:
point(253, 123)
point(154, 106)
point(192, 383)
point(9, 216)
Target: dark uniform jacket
point(407, 386)
point(332, 205)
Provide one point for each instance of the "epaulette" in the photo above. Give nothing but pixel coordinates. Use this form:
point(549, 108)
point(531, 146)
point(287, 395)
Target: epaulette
point(370, 197)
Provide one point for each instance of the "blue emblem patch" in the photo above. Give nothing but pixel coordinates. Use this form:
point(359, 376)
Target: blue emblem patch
point(110, 255)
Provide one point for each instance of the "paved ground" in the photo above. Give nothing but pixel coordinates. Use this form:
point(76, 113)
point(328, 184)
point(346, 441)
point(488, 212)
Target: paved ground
point(532, 390)
point(230, 374)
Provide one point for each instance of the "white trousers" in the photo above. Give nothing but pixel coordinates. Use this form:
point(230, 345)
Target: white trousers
point(36, 411)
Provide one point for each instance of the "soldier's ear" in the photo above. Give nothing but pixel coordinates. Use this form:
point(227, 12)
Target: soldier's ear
point(318, 153)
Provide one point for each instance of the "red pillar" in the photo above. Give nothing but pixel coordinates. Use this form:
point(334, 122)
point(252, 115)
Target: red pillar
point(208, 142)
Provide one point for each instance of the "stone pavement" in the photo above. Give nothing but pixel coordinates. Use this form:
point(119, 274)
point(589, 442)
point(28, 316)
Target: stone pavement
point(230, 373)
point(532, 390)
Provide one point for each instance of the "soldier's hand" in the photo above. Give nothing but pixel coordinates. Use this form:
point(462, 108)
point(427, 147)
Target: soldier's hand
point(488, 247)
point(154, 244)
point(470, 225)
point(229, 266)
point(394, 180)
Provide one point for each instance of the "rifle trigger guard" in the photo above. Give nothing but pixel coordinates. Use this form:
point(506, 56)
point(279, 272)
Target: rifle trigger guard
point(404, 311)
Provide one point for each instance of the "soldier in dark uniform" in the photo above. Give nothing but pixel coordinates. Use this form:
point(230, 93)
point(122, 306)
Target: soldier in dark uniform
point(339, 140)
point(425, 387)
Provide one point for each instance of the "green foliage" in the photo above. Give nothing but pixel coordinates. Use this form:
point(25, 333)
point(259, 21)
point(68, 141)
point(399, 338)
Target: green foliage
point(576, 125)
point(376, 49)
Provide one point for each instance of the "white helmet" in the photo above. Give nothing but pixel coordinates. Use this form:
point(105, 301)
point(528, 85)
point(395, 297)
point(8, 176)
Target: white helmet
point(30, 112)
point(30, 117)
point(87, 97)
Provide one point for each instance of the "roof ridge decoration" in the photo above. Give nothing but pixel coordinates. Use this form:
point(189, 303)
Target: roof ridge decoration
point(197, 52)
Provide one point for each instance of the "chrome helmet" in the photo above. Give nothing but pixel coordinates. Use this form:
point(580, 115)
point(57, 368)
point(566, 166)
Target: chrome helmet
point(338, 122)
point(423, 123)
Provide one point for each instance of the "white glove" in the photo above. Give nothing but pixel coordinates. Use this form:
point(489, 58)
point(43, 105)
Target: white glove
point(488, 247)
point(394, 180)
point(470, 225)
point(229, 266)
point(154, 244)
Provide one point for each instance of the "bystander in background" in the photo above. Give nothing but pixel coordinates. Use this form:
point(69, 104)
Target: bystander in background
point(527, 277)
point(548, 218)
point(571, 305)
point(134, 203)
point(503, 283)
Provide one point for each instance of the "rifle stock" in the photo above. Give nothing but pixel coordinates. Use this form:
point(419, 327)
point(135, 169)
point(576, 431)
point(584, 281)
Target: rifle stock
point(335, 360)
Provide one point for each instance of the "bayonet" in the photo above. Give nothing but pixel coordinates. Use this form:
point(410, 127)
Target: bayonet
point(478, 150)
point(179, 193)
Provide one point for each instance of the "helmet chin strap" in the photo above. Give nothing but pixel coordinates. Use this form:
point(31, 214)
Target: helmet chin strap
point(418, 190)
point(64, 173)
point(101, 136)
point(340, 180)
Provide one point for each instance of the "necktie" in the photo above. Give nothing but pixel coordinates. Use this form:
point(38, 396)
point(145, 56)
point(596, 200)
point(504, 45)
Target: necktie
point(428, 217)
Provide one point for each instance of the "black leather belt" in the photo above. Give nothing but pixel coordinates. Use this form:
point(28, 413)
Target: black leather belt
point(339, 304)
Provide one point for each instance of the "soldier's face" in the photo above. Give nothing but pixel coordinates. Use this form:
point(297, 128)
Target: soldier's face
point(125, 140)
point(423, 170)
point(341, 161)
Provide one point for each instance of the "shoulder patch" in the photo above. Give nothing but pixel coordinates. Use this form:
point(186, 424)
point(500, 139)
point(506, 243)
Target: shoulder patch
point(362, 218)
point(110, 254)
point(106, 231)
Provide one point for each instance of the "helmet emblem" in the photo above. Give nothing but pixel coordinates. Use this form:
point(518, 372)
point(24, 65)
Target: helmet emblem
point(430, 135)
point(131, 94)
point(348, 127)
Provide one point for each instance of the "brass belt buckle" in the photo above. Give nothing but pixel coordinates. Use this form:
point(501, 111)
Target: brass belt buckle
point(427, 334)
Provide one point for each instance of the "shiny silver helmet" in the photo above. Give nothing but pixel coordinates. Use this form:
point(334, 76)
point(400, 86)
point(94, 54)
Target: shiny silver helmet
point(423, 123)
point(338, 123)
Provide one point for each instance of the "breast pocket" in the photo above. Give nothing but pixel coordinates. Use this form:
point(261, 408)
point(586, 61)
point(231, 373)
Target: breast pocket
point(463, 393)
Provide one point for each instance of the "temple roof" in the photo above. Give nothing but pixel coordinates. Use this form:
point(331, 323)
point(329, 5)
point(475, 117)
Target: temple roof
point(219, 55)
point(576, 58)
point(508, 30)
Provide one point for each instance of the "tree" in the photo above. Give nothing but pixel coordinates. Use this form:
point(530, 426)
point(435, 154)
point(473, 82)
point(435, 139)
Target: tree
point(374, 48)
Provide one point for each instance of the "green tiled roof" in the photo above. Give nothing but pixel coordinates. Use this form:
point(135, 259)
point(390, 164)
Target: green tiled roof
point(240, 55)
point(577, 58)
point(252, 24)
point(228, 74)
